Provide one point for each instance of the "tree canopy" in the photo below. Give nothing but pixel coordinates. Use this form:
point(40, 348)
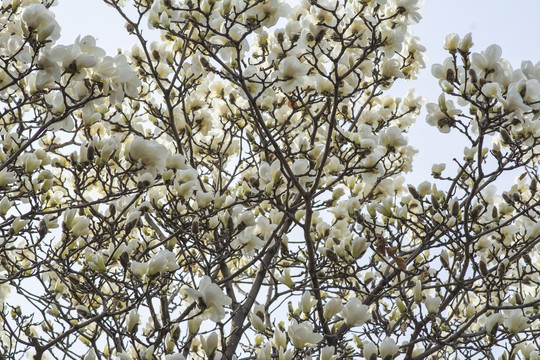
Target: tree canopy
point(236, 189)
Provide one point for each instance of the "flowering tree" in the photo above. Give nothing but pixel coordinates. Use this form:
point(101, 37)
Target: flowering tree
point(236, 190)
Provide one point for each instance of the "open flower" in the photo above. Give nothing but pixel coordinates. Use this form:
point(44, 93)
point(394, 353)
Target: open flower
point(432, 304)
point(515, 321)
point(256, 317)
point(291, 73)
point(332, 307)
point(302, 334)
point(355, 313)
point(211, 299)
point(149, 153)
point(163, 261)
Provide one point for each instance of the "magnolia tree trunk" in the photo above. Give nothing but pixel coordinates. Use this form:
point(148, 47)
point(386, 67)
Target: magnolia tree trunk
point(235, 190)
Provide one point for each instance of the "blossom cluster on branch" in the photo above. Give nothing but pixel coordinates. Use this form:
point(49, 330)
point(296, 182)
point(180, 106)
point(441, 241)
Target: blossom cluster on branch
point(236, 189)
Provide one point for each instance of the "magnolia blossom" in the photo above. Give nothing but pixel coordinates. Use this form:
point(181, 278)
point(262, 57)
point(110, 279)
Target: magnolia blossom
point(209, 343)
point(451, 42)
point(212, 299)
point(488, 60)
point(442, 117)
point(493, 321)
point(355, 313)
point(291, 73)
point(247, 241)
point(279, 340)
point(6, 177)
point(256, 317)
point(327, 353)
point(388, 349)
point(37, 17)
point(370, 350)
point(306, 303)
point(149, 153)
point(332, 307)
point(81, 227)
point(139, 268)
point(302, 334)
point(432, 304)
point(163, 261)
point(515, 321)
point(132, 320)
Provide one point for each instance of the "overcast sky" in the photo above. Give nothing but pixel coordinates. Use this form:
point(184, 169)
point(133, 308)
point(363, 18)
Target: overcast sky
point(514, 25)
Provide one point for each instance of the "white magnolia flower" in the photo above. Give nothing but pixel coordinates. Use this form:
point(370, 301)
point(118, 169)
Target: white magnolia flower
point(132, 320)
point(139, 268)
point(176, 356)
point(256, 317)
point(451, 42)
point(5, 205)
point(211, 297)
point(332, 307)
point(81, 227)
point(443, 119)
point(291, 73)
point(209, 343)
point(6, 177)
point(306, 303)
point(163, 261)
point(355, 313)
point(247, 241)
point(488, 60)
point(286, 278)
point(149, 153)
point(37, 17)
point(90, 355)
point(432, 304)
point(370, 350)
point(18, 224)
point(466, 43)
point(302, 334)
point(327, 353)
point(515, 321)
point(279, 340)
point(388, 349)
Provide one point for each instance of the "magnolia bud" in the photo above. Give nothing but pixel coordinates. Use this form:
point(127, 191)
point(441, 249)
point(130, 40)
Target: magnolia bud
point(455, 208)
point(506, 136)
point(533, 186)
point(494, 212)
point(476, 211)
point(370, 351)
point(474, 77)
point(418, 292)
point(450, 75)
point(413, 192)
point(483, 267)
point(435, 202)
point(444, 258)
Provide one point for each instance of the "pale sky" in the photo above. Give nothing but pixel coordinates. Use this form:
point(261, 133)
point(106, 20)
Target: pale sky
point(513, 25)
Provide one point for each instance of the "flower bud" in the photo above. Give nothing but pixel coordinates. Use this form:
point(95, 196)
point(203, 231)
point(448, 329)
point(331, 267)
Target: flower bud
point(370, 350)
point(432, 304)
point(210, 343)
point(332, 307)
point(451, 42)
point(465, 44)
point(5, 205)
point(418, 292)
point(132, 320)
point(388, 349)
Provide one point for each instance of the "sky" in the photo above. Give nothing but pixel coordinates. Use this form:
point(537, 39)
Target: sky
point(513, 25)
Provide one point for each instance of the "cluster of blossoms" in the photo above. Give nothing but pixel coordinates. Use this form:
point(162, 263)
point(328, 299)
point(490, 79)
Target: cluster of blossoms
point(236, 189)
